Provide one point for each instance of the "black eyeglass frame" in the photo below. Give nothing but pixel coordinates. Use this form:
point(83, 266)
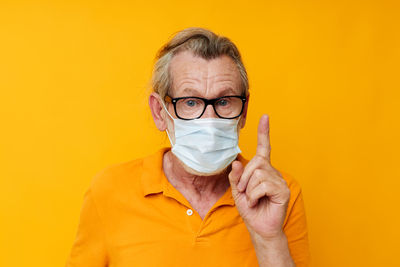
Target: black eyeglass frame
point(206, 102)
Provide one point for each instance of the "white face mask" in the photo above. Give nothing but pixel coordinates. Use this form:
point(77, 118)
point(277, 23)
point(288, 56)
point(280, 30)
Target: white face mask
point(205, 145)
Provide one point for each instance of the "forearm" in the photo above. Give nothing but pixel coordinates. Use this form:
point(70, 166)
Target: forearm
point(274, 252)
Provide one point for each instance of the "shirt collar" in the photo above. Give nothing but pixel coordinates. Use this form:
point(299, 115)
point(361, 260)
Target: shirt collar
point(154, 180)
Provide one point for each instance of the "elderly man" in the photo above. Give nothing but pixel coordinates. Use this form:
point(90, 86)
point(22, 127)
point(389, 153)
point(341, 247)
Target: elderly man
point(200, 203)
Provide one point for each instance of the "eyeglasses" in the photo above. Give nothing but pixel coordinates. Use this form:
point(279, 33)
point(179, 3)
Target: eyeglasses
point(191, 107)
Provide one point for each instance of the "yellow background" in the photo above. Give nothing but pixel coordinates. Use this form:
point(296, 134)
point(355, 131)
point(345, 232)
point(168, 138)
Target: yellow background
point(74, 81)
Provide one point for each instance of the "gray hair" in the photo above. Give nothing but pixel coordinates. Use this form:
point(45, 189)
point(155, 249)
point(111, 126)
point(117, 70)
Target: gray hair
point(201, 42)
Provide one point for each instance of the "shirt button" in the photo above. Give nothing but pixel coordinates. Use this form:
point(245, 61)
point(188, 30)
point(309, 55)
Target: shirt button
point(189, 212)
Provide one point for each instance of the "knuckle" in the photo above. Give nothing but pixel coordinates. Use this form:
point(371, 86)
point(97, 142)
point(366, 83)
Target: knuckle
point(258, 173)
point(251, 198)
point(260, 159)
point(248, 195)
point(270, 168)
point(283, 182)
point(264, 186)
point(247, 191)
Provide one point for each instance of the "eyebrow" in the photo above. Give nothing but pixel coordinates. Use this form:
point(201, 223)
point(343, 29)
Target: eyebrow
point(224, 92)
point(229, 91)
point(190, 92)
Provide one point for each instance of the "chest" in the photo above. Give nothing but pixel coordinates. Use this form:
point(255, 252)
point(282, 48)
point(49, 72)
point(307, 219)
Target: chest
point(160, 232)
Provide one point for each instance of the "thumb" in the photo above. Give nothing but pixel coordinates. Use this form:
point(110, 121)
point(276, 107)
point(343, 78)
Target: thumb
point(234, 176)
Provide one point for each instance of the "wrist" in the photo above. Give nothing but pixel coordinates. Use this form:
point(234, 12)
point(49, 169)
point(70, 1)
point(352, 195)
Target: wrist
point(272, 250)
point(275, 237)
point(276, 241)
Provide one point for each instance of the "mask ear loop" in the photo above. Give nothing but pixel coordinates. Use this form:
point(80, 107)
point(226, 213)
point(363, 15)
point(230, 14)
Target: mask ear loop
point(169, 137)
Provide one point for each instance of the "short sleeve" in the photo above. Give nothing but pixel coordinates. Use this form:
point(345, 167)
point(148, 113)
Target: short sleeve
point(297, 233)
point(89, 248)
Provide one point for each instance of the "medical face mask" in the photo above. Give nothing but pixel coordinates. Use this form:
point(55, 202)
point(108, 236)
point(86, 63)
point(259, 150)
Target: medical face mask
point(205, 145)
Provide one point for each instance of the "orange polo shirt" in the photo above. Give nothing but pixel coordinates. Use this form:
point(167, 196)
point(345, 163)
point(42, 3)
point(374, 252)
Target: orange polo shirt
point(132, 216)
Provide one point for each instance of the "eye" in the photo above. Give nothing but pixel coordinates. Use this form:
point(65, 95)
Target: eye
point(191, 102)
point(223, 102)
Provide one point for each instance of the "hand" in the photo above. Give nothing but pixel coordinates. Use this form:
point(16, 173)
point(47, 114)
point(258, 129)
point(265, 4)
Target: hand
point(260, 193)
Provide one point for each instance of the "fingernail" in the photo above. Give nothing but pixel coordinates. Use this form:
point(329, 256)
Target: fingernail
point(240, 187)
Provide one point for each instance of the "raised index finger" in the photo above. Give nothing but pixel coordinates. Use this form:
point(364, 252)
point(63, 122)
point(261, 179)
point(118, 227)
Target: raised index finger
point(263, 144)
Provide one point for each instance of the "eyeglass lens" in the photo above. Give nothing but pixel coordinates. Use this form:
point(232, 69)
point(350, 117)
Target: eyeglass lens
point(225, 107)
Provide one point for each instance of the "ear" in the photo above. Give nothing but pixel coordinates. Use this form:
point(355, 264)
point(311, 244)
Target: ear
point(242, 121)
point(157, 111)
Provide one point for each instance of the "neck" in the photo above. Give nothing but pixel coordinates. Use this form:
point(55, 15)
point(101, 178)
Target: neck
point(198, 186)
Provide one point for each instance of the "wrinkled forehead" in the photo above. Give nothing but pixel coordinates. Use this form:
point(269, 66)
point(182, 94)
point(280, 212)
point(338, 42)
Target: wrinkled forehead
point(195, 76)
